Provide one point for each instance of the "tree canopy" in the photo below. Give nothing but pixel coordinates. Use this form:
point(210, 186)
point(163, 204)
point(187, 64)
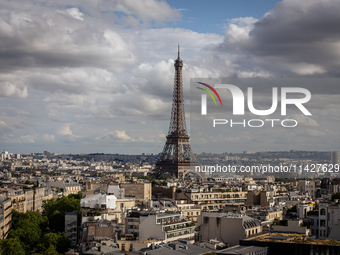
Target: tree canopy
point(55, 210)
point(11, 246)
point(58, 241)
point(26, 235)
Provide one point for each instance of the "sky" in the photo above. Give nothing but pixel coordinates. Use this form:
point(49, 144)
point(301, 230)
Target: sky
point(97, 76)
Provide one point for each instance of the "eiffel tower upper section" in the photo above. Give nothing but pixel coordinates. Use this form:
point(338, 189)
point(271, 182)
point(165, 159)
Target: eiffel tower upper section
point(177, 123)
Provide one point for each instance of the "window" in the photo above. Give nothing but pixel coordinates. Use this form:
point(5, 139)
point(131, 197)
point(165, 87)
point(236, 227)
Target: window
point(322, 223)
point(323, 211)
point(131, 246)
point(322, 233)
point(123, 247)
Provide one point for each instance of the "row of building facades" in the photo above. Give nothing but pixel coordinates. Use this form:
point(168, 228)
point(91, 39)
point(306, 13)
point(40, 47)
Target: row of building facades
point(123, 213)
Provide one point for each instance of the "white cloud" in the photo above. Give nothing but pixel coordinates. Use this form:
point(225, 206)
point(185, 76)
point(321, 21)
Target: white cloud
point(315, 133)
point(120, 135)
point(48, 138)
point(104, 65)
point(75, 13)
point(146, 10)
point(65, 130)
point(305, 69)
point(8, 89)
point(117, 135)
point(305, 121)
point(27, 139)
point(295, 38)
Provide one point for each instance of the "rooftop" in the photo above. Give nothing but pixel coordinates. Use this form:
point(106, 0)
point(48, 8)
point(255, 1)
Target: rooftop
point(293, 238)
point(242, 250)
point(176, 248)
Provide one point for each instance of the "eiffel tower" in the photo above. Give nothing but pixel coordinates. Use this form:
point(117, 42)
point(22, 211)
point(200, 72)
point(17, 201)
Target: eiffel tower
point(177, 155)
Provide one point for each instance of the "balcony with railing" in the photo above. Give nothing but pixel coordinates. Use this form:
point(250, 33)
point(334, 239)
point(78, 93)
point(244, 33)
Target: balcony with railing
point(185, 233)
point(73, 223)
point(175, 227)
point(167, 219)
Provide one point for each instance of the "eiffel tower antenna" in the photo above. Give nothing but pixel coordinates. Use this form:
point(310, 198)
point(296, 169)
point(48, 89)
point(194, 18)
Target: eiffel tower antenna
point(178, 50)
point(177, 156)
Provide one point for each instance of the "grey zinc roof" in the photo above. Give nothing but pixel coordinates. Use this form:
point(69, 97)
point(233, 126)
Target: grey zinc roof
point(167, 249)
point(241, 250)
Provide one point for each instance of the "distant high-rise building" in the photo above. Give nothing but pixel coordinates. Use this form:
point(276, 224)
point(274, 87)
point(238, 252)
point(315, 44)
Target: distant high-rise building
point(177, 155)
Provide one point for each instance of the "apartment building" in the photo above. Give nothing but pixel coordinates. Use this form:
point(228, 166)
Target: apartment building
point(139, 191)
point(227, 227)
point(266, 214)
point(71, 226)
point(168, 226)
point(109, 206)
point(261, 198)
point(191, 211)
point(212, 201)
point(94, 228)
point(5, 214)
point(302, 209)
point(329, 214)
point(308, 187)
point(325, 220)
point(66, 187)
point(293, 226)
point(18, 199)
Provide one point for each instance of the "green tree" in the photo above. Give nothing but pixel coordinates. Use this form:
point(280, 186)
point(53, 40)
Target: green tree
point(76, 196)
point(11, 246)
point(51, 250)
point(276, 221)
point(55, 210)
point(31, 216)
point(16, 217)
point(28, 233)
point(57, 240)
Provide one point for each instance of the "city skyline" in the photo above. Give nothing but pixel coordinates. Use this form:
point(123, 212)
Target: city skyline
point(98, 76)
